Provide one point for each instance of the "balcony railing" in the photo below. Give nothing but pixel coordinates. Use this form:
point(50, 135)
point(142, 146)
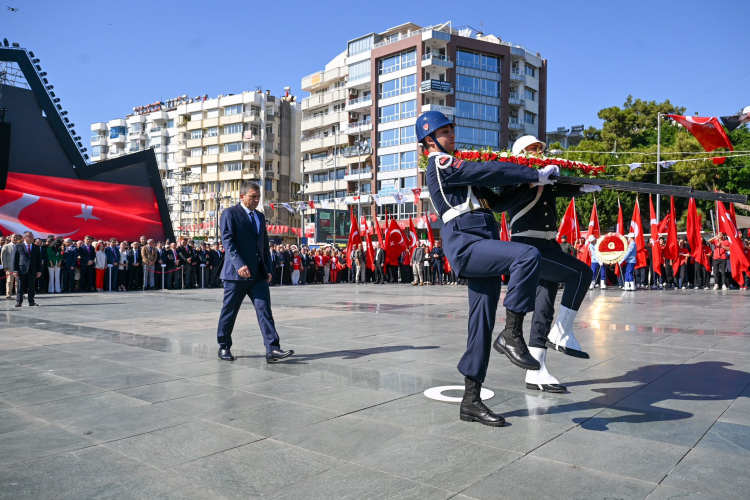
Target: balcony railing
point(359, 100)
point(357, 151)
point(439, 57)
point(361, 123)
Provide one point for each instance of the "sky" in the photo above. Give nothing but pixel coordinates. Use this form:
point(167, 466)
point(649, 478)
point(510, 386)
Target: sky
point(104, 58)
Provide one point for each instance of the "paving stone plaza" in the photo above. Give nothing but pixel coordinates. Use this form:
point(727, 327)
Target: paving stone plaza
point(120, 396)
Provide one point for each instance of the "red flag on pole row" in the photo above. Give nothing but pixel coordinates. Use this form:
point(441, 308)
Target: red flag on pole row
point(737, 258)
point(707, 130)
point(694, 234)
point(369, 252)
point(395, 243)
point(655, 247)
point(732, 215)
point(671, 250)
point(504, 233)
point(620, 227)
point(636, 227)
point(594, 223)
point(569, 226)
point(413, 240)
point(430, 237)
point(354, 238)
point(378, 232)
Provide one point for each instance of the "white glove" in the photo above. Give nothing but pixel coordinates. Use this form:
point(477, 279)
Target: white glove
point(544, 174)
point(590, 188)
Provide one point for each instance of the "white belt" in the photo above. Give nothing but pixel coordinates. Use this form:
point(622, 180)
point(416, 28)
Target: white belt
point(545, 235)
point(463, 208)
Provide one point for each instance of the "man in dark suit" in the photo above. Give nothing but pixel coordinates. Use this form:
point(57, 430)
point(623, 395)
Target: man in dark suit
point(71, 262)
point(437, 264)
point(87, 254)
point(379, 261)
point(247, 271)
point(214, 263)
point(113, 262)
point(277, 262)
point(172, 260)
point(202, 254)
point(135, 267)
point(27, 267)
point(186, 259)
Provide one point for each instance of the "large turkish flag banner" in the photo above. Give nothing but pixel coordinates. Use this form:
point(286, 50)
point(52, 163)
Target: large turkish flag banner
point(75, 208)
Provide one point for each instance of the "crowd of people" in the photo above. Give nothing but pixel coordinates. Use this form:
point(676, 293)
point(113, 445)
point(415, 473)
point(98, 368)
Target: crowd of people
point(91, 265)
point(293, 265)
point(682, 273)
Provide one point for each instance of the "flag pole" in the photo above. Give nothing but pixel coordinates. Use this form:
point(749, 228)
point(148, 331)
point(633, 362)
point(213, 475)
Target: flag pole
point(658, 163)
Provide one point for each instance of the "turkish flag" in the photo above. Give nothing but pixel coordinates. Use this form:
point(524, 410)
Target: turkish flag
point(395, 243)
point(75, 208)
point(417, 192)
point(737, 259)
point(707, 130)
point(354, 238)
point(671, 251)
point(569, 226)
point(378, 232)
point(694, 233)
point(312, 204)
point(594, 224)
point(636, 227)
point(430, 236)
point(504, 233)
point(413, 240)
point(619, 228)
point(655, 246)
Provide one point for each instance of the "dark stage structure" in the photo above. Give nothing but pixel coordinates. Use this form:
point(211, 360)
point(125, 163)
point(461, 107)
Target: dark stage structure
point(47, 184)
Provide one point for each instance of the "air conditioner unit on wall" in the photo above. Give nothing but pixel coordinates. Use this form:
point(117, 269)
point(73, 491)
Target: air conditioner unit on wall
point(353, 116)
point(353, 92)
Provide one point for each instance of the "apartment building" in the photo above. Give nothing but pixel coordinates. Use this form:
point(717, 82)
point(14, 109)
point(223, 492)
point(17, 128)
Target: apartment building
point(567, 137)
point(206, 148)
point(358, 122)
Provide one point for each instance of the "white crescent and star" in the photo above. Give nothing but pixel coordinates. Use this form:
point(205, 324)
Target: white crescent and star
point(10, 216)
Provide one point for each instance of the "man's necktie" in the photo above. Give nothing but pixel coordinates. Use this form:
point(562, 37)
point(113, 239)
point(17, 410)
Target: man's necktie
point(252, 221)
point(28, 249)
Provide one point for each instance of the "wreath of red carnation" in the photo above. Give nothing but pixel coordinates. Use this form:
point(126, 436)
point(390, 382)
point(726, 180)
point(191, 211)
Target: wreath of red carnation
point(567, 167)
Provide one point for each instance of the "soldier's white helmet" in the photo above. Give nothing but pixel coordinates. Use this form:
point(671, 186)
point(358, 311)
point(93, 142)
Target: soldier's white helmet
point(524, 142)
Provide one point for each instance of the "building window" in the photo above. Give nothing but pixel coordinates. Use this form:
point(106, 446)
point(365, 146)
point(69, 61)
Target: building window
point(269, 129)
point(196, 134)
point(322, 177)
point(389, 65)
point(269, 166)
point(408, 109)
point(529, 117)
point(170, 123)
point(530, 70)
point(388, 138)
point(408, 135)
point(96, 150)
point(196, 152)
point(470, 136)
point(468, 84)
point(530, 94)
point(134, 128)
point(116, 132)
point(408, 160)
point(359, 46)
point(359, 70)
point(212, 132)
point(233, 129)
point(269, 184)
point(408, 59)
point(489, 88)
point(388, 113)
point(232, 147)
point(408, 84)
point(233, 110)
point(387, 163)
point(466, 109)
point(233, 166)
point(212, 150)
point(389, 88)
point(340, 174)
point(387, 187)
point(409, 182)
point(490, 63)
point(467, 59)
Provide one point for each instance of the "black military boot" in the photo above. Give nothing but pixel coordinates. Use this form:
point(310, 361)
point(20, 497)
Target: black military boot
point(510, 342)
point(472, 408)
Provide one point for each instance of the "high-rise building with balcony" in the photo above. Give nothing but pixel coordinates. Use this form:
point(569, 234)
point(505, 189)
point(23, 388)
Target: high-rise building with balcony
point(206, 148)
point(358, 122)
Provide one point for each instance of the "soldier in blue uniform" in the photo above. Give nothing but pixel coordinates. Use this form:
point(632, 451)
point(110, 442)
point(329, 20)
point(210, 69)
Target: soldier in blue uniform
point(535, 224)
point(471, 242)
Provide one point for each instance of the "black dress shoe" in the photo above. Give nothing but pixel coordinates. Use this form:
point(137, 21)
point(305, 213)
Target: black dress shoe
point(553, 388)
point(225, 355)
point(18, 304)
point(510, 342)
point(277, 354)
point(34, 304)
point(474, 410)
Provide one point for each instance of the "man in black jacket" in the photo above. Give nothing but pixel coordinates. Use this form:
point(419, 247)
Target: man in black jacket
point(437, 255)
point(214, 266)
point(87, 254)
point(379, 261)
point(183, 253)
point(287, 269)
point(27, 267)
point(172, 261)
point(135, 267)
